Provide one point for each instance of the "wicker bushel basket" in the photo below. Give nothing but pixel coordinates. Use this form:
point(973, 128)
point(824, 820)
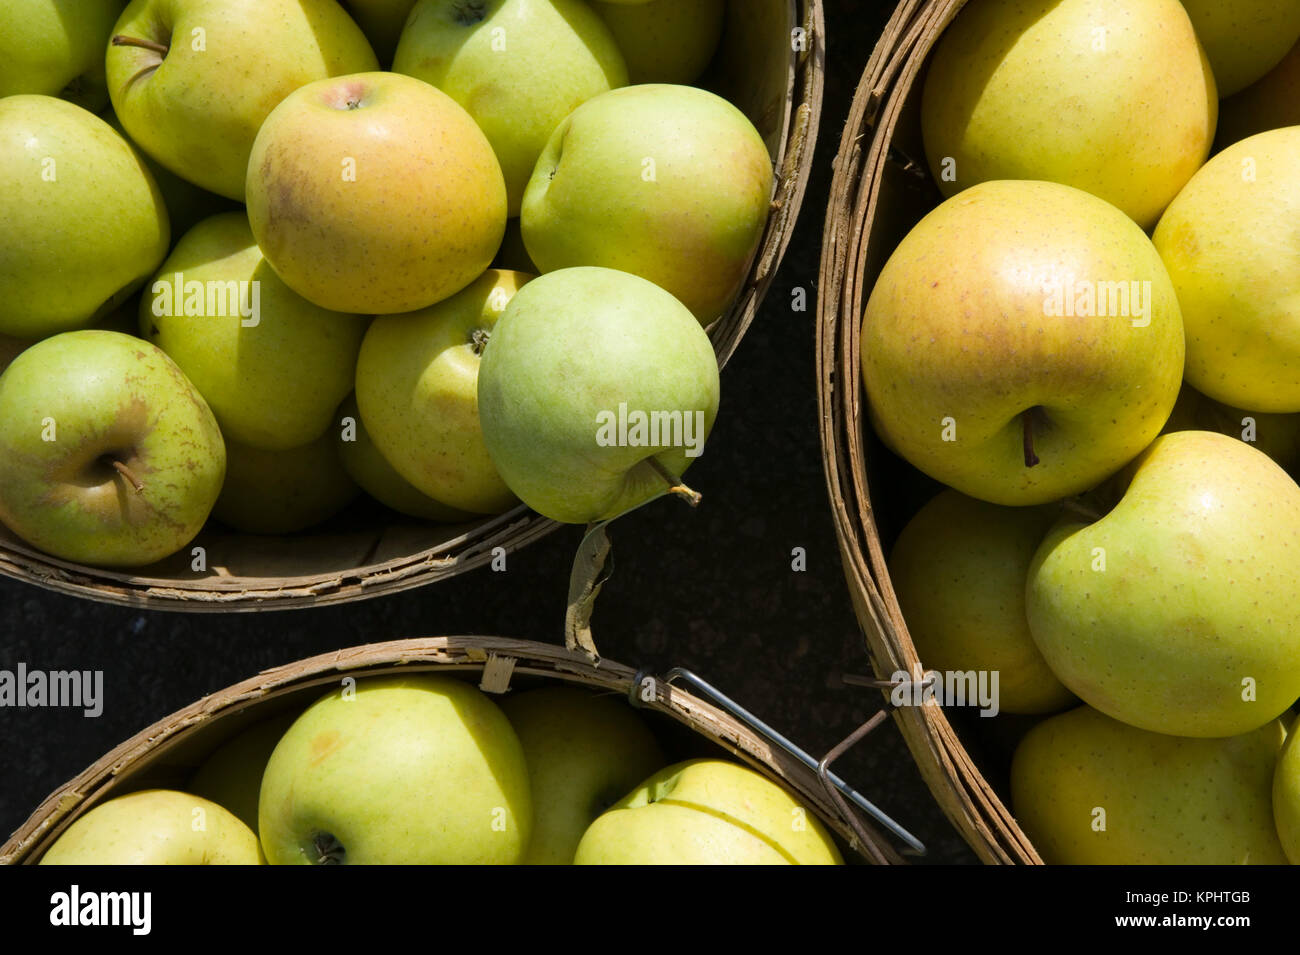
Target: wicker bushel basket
point(167, 753)
point(770, 63)
point(880, 190)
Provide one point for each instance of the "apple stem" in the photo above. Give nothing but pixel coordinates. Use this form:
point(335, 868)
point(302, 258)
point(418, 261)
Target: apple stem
point(158, 48)
point(675, 485)
point(1028, 420)
point(126, 472)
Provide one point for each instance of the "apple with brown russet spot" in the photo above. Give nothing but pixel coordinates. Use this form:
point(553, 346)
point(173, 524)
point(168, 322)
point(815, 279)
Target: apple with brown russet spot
point(108, 454)
point(375, 194)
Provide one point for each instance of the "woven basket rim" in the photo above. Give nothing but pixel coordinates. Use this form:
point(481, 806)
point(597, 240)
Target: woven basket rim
point(451, 653)
point(472, 546)
point(966, 798)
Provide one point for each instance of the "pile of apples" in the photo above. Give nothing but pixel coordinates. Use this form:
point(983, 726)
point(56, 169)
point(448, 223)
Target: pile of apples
point(1094, 341)
point(427, 769)
point(246, 273)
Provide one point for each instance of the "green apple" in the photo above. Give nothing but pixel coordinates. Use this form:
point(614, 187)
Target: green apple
point(518, 66)
point(1244, 39)
point(1286, 796)
point(1116, 99)
point(1022, 343)
point(1271, 103)
point(367, 466)
point(92, 221)
point(283, 492)
point(398, 770)
point(382, 22)
point(665, 41)
point(1232, 249)
point(375, 194)
point(959, 570)
point(670, 183)
point(1090, 790)
point(272, 365)
point(584, 752)
point(156, 827)
point(232, 776)
point(47, 46)
point(597, 389)
point(1277, 435)
point(707, 812)
point(1174, 612)
point(417, 388)
point(193, 80)
point(108, 455)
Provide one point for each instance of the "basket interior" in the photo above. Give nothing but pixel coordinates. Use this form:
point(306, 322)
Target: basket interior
point(166, 755)
point(367, 550)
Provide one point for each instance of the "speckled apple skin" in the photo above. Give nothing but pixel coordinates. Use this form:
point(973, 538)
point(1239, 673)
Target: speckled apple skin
point(375, 194)
point(958, 569)
point(273, 385)
point(1243, 39)
point(1232, 248)
point(417, 388)
point(671, 183)
point(198, 109)
point(1198, 593)
point(411, 770)
point(1167, 800)
point(106, 393)
point(557, 54)
point(156, 827)
point(956, 328)
point(86, 220)
point(1018, 89)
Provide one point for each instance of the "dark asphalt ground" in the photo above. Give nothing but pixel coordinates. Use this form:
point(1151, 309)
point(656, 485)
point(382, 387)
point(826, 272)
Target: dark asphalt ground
point(710, 589)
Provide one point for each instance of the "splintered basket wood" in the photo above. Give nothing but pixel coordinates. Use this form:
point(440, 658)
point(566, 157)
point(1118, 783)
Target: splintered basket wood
point(881, 189)
point(770, 64)
point(166, 754)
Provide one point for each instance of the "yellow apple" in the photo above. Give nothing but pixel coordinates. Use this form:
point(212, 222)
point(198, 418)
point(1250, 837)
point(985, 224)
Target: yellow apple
point(272, 365)
point(282, 492)
point(1115, 98)
point(1089, 790)
point(1232, 248)
point(959, 568)
point(156, 827)
point(417, 388)
point(1244, 39)
point(375, 194)
point(585, 752)
point(665, 41)
point(371, 470)
point(518, 66)
point(670, 183)
point(707, 812)
point(192, 80)
point(1022, 343)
